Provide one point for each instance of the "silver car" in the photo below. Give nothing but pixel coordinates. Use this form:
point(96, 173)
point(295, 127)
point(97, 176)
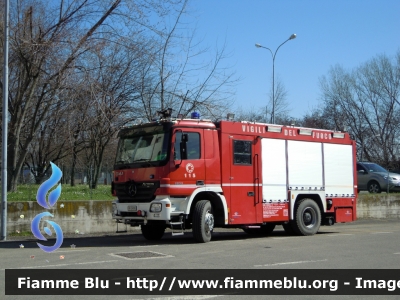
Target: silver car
point(373, 178)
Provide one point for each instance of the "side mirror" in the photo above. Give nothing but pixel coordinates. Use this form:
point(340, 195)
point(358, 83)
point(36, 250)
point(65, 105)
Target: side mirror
point(182, 148)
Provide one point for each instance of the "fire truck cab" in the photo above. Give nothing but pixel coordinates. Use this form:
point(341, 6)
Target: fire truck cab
point(198, 174)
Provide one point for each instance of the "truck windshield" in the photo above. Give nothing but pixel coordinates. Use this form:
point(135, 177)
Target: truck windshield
point(144, 145)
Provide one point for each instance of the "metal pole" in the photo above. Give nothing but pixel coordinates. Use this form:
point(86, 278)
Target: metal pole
point(388, 182)
point(5, 129)
point(273, 90)
point(273, 77)
point(293, 36)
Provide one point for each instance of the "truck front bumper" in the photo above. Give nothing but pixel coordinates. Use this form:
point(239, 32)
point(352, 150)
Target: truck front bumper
point(156, 210)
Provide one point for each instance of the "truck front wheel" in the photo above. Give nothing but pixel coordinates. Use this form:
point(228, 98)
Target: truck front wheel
point(308, 217)
point(153, 231)
point(203, 221)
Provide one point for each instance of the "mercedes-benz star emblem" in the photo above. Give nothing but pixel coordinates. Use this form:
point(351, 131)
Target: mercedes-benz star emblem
point(132, 189)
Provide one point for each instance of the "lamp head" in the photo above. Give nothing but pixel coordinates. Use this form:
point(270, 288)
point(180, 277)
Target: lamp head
point(293, 36)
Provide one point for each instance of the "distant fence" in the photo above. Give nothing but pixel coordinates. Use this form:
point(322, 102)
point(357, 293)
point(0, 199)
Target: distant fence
point(81, 176)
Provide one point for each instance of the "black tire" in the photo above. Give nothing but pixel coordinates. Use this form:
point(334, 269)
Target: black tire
point(203, 221)
point(288, 227)
point(374, 187)
point(263, 230)
point(153, 231)
point(307, 217)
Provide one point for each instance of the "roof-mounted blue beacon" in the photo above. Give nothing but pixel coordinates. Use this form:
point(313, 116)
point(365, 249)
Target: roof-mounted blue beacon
point(195, 115)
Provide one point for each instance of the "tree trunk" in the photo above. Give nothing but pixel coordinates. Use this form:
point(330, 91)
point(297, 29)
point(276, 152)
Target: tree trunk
point(14, 165)
point(73, 165)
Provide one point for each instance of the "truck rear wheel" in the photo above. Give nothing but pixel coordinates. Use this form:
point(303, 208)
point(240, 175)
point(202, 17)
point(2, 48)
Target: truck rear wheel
point(307, 217)
point(153, 231)
point(203, 221)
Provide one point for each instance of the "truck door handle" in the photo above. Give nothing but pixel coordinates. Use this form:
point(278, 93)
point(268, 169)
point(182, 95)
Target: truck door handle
point(200, 182)
point(251, 194)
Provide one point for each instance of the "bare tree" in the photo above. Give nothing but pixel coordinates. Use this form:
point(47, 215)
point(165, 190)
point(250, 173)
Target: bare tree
point(264, 113)
point(47, 38)
point(365, 102)
point(175, 78)
point(48, 144)
point(317, 118)
point(281, 105)
point(111, 88)
point(251, 114)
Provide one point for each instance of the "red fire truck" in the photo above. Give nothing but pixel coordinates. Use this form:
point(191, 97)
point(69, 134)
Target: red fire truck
point(198, 174)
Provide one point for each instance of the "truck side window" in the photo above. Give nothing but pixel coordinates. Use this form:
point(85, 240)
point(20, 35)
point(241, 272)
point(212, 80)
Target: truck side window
point(192, 145)
point(242, 152)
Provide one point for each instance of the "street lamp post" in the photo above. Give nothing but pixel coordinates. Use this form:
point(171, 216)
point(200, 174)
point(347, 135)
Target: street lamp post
point(293, 36)
point(388, 181)
point(5, 125)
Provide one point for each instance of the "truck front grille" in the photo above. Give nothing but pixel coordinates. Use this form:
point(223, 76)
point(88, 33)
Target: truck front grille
point(132, 191)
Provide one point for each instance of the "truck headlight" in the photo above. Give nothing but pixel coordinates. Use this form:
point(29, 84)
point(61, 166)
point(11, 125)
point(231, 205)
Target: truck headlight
point(114, 209)
point(155, 207)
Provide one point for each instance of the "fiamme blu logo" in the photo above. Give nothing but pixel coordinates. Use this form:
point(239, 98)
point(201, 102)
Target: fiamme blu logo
point(53, 196)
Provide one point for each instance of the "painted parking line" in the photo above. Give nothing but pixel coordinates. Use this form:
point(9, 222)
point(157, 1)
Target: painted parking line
point(73, 250)
point(229, 241)
point(291, 263)
point(143, 246)
point(211, 252)
point(186, 297)
point(339, 234)
point(61, 265)
point(323, 235)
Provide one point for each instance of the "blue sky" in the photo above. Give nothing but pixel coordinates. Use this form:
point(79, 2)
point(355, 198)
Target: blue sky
point(329, 32)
